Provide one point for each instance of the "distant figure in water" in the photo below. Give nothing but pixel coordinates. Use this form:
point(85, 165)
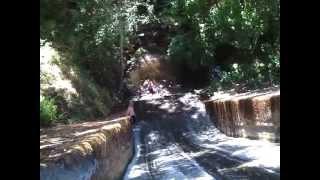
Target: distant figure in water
point(151, 87)
point(130, 112)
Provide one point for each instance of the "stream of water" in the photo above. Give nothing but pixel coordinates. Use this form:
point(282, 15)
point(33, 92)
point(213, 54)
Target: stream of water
point(177, 140)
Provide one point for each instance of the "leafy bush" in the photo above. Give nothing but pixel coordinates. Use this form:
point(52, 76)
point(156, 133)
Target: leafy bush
point(48, 111)
point(203, 33)
point(227, 32)
point(252, 76)
point(181, 50)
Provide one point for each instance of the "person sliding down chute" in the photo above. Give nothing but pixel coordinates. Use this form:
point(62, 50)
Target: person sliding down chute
point(151, 87)
point(130, 112)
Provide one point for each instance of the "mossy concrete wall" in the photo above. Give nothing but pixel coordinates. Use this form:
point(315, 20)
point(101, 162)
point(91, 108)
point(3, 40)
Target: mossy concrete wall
point(99, 156)
point(251, 116)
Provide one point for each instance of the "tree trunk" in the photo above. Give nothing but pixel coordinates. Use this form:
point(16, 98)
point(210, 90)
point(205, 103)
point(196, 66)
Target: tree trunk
point(122, 68)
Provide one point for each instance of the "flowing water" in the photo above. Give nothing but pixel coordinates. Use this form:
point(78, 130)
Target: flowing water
point(175, 139)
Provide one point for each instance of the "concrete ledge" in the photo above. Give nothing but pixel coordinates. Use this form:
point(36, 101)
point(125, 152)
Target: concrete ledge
point(255, 116)
point(101, 152)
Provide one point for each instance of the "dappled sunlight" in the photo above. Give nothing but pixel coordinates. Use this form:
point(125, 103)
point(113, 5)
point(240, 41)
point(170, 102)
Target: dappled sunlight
point(246, 149)
point(172, 162)
point(203, 133)
point(253, 115)
point(168, 160)
point(227, 95)
point(194, 73)
point(184, 140)
point(266, 136)
point(48, 67)
point(200, 153)
point(85, 132)
point(137, 169)
point(81, 141)
point(168, 106)
point(52, 142)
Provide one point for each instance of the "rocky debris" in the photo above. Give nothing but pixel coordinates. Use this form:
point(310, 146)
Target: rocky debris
point(253, 115)
point(92, 150)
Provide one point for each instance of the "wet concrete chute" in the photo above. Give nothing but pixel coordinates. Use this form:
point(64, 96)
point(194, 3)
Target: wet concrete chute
point(175, 139)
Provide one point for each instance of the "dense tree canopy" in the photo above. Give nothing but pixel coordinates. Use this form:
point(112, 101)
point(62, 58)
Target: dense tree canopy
point(240, 36)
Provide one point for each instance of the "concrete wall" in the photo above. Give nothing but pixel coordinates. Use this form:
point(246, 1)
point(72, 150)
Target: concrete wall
point(253, 116)
point(99, 156)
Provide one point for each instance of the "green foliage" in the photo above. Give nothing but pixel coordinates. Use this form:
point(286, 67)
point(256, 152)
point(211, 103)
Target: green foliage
point(45, 78)
point(48, 111)
point(252, 27)
point(93, 101)
point(188, 50)
point(249, 76)
point(227, 32)
point(86, 35)
point(202, 34)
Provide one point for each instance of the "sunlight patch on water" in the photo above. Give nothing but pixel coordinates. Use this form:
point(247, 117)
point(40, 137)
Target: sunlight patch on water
point(259, 153)
point(203, 133)
point(172, 163)
point(137, 169)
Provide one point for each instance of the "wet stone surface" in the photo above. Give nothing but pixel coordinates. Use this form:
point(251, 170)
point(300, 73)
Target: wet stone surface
point(170, 145)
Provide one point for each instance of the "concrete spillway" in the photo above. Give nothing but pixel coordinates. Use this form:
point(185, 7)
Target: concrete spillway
point(175, 139)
